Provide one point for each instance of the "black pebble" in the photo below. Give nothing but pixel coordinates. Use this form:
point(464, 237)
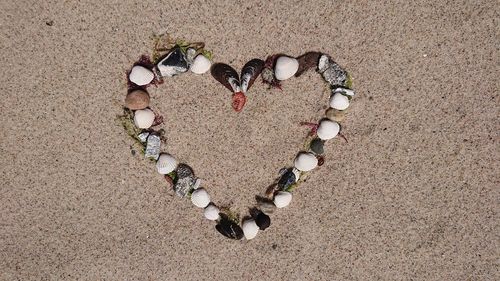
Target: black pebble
point(263, 221)
point(287, 179)
point(317, 146)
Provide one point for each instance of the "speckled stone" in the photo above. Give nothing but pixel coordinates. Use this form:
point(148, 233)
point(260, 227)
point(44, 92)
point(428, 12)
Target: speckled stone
point(186, 180)
point(331, 71)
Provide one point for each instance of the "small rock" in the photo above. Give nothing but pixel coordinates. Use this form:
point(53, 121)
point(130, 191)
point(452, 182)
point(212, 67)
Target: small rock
point(307, 61)
point(287, 179)
point(263, 221)
point(266, 207)
point(170, 182)
point(140, 75)
point(190, 54)
point(143, 137)
point(316, 146)
point(173, 64)
point(184, 171)
point(331, 71)
point(137, 99)
point(344, 91)
point(335, 114)
point(153, 147)
point(186, 181)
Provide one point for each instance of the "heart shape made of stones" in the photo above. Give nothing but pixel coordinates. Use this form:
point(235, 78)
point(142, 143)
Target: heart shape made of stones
point(172, 58)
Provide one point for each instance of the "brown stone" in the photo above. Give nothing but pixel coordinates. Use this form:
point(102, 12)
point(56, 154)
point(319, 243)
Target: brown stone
point(137, 99)
point(335, 115)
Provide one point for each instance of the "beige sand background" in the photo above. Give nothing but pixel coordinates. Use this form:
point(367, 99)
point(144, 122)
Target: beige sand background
point(412, 196)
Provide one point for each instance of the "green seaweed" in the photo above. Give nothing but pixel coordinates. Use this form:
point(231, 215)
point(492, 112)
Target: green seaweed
point(127, 122)
point(349, 82)
point(208, 54)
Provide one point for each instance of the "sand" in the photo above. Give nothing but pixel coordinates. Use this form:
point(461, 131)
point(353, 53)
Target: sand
point(413, 195)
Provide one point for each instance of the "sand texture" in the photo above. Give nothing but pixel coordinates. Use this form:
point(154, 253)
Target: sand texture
point(413, 195)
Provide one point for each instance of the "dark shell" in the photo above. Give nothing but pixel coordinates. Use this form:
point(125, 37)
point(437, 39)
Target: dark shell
point(317, 146)
point(229, 229)
point(227, 76)
point(286, 180)
point(251, 70)
point(307, 61)
point(173, 63)
point(263, 221)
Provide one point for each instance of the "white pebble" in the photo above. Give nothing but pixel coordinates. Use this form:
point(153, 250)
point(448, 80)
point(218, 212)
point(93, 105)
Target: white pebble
point(285, 67)
point(282, 199)
point(328, 129)
point(166, 164)
point(200, 64)
point(144, 118)
point(305, 161)
point(250, 229)
point(296, 173)
point(344, 91)
point(140, 75)
point(211, 212)
point(200, 198)
point(339, 101)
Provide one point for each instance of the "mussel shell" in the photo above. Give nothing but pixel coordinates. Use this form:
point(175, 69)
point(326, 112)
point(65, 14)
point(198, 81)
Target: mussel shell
point(251, 70)
point(227, 76)
point(307, 61)
point(228, 228)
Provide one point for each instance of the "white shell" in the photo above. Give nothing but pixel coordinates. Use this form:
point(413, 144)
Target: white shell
point(328, 129)
point(344, 91)
point(140, 75)
point(200, 64)
point(285, 67)
point(166, 164)
point(200, 198)
point(211, 212)
point(296, 173)
point(339, 101)
point(282, 199)
point(250, 229)
point(305, 161)
point(144, 118)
